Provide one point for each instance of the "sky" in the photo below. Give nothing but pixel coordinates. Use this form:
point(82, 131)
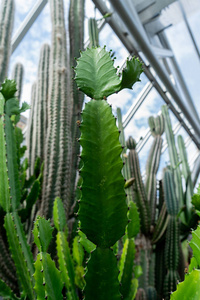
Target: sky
point(28, 54)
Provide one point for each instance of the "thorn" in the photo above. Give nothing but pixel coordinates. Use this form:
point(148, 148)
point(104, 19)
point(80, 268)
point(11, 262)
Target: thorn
point(78, 201)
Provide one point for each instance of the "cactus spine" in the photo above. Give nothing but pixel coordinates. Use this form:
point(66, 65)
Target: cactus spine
point(6, 25)
point(17, 75)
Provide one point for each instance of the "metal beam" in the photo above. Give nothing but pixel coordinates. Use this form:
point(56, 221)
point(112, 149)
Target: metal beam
point(27, 23)
point(135, 31)
point(165, 42)
point(189, 28)
point(137, 103)
point(128, 42)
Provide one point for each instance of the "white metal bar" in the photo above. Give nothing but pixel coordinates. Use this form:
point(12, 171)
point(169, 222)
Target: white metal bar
point(27, 23)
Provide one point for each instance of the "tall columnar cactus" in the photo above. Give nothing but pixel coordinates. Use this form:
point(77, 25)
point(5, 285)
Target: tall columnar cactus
point(6, 25)
point(171, 253)
point(76, 33)
point(93, 32)
point(103, 210)
point(187, 176)
point(57, 166)
point(30, 140)
point(41, 106)
point(17, 75)
point(174, 161)
point(140, 192)
point(157, 128)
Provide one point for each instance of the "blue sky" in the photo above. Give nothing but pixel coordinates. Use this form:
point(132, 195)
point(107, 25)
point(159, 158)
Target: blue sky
point(28, 54)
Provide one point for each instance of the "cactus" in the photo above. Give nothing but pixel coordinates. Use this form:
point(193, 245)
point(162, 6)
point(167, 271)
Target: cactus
point(157, 129)
point(93, 33)
point(189, 288)
point(187, 176)
point(6, 25)
point(172, 236)
point(76, 32)
point(102, 219)
point(57, 167)
point(17, 75)
point(140, 192)
point(31, 131)
point(174, 161)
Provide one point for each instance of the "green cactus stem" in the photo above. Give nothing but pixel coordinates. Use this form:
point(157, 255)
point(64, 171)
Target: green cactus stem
point(93, 33)
point(157, 129)
point(174, 161)
point(76, 33)
point(187, 176)
point(17, 75)
point(42, 100)
point(103, 209)
point(30, 130)
point(140, 196)
point(57, 166)
point(6, 26)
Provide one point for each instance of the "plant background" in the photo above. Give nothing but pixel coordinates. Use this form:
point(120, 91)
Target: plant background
point(28, 54)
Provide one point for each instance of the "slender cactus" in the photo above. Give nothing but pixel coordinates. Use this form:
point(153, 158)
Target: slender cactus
point(157, 129)
point(174, 160)
point(6, 26)
point(140, 192)
point(76, 32)
point(42, 100)
point(30, 130)
point(93, 32)
point(187, 176)
point(171, 253)
point(57, 166)
point(17, 75)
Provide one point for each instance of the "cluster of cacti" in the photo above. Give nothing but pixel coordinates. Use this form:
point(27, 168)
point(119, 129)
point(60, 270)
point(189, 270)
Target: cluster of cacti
point(189, 288)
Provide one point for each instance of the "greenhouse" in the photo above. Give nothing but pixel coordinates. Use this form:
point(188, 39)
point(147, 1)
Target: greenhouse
point(99, 149)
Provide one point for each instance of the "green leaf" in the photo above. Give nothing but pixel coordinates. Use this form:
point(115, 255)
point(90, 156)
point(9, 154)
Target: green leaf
point(131, 73)
point(102, 276)
point(6, 292)
point(189, 288)
point(87, 244)
point(39, 279)
point(193, 264)
point(133, 227)
point(8, 88)
point(196, 200)
point(59, 216)
point(42, 233)
point(103, 209)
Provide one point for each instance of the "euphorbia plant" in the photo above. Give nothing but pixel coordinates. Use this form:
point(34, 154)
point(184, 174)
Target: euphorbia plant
point(103, 208)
